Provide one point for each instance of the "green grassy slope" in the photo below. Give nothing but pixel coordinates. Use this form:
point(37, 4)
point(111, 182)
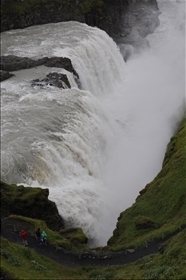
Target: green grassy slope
point(161, 206)
point(18, 262)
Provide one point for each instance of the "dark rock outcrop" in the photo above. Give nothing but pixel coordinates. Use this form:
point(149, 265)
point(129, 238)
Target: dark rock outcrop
point(4, 75)
point(53, 79)
point(61, 62)
point(14, 63)
point(30, 202)
point(140, 19)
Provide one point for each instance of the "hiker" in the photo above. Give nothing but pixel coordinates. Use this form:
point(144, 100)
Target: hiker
point(44, 238)
point(23, 234)
point(38, 236)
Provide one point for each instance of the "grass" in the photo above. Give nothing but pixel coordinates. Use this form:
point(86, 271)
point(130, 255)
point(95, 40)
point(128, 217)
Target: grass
point(22, 263)
point(160, 209)
point(73, 244)
point(171, 264)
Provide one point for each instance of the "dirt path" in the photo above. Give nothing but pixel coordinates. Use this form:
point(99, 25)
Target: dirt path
point(11, 228)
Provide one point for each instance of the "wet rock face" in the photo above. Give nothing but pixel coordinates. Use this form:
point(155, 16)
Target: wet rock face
point(140, 19)
point(15, 63)
point(123, 15)
point(53, 79)
point(4, 75)
point(61, 62)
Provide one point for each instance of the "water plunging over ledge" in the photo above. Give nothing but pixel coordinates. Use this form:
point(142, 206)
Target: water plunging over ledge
point(94, 148)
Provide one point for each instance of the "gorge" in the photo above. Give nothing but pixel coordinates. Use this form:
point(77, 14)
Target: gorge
point(96, 144)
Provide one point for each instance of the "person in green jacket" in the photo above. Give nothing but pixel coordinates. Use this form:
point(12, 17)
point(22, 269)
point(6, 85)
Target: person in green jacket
point(44, 238)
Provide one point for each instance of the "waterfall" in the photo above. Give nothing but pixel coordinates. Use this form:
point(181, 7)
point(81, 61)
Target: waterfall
point(97, 146)
point(60, 138)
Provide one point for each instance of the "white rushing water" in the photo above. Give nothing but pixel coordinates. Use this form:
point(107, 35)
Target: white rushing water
point(94, 148)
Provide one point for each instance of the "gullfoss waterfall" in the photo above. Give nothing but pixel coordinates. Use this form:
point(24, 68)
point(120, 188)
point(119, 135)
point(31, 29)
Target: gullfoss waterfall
point(97, 146)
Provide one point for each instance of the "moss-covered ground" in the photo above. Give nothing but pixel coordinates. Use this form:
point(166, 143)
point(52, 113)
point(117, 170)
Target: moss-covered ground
point(160, 209)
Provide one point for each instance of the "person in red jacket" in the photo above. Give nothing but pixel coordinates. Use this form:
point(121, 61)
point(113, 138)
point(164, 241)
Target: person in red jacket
point(23, 234)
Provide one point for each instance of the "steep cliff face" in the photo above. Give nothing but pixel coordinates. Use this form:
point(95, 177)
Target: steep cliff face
point(23, 13)
point(29, 202)
point(121, 16)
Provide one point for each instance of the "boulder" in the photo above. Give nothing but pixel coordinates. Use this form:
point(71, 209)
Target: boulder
point(53, 79)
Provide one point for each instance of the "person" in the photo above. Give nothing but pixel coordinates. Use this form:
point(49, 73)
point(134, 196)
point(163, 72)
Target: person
point(44, 237)
point(38, 236)
point(23, 234)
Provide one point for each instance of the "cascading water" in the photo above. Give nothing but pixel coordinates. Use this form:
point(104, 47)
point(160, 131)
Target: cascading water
point(62, 136)
point(96, 147)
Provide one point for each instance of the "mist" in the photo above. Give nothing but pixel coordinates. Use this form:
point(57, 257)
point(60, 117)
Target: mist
point(94, 148)
point(145, 111)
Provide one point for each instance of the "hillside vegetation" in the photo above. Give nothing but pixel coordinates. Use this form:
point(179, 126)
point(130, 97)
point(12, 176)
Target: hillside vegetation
point(160, 209)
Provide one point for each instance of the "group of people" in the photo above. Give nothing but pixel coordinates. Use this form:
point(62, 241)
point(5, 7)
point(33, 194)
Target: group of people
point(41, 237)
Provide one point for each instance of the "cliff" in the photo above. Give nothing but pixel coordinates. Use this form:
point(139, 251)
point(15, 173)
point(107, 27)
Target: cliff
point(29, 202)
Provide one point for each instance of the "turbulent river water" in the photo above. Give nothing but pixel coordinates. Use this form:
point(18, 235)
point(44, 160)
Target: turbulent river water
point(96, 147)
